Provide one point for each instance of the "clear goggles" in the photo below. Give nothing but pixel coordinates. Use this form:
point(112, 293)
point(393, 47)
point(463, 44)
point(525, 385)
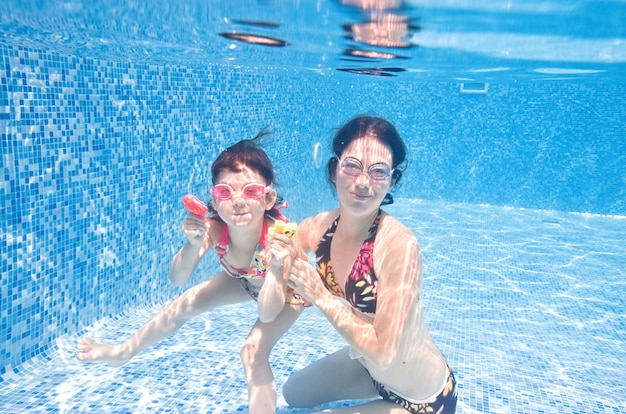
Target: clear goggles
point(377, 172)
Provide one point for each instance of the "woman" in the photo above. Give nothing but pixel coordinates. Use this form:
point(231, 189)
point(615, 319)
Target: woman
point(367, 284)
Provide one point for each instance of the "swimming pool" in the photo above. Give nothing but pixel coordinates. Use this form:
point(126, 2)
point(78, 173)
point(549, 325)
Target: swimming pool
point(514, 116)
point(527, 305)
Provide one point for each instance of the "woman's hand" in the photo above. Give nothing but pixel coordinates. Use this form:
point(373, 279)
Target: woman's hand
point(305, 280)
point(195, 228)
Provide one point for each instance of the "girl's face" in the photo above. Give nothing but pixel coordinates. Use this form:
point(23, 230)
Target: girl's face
point(363, 191)
point(243, 210)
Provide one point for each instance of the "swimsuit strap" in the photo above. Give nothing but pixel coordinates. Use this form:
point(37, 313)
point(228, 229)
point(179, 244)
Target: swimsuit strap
point(263, 239)
point(372, 229)
point(222, 246)
point(371, 233)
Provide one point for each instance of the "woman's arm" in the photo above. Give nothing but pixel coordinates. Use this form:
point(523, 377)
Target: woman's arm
point(397, 264)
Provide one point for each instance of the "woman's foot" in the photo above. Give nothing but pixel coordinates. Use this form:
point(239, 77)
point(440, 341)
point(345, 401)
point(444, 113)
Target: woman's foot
point(88, 350)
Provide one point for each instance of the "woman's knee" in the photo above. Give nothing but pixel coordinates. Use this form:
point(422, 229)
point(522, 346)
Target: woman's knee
point(293, 394)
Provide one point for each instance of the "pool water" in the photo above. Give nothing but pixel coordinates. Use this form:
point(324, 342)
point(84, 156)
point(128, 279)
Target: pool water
point(513, 112)
point(527, 305)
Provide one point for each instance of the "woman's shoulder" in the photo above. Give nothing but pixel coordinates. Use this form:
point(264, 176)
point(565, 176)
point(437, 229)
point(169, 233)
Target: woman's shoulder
point(393, 229)
point(396, 240)
point(321, 219)
point(390, 222)
point(313, 228)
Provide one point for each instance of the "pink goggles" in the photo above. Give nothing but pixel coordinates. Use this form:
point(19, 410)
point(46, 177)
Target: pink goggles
point(251, 190)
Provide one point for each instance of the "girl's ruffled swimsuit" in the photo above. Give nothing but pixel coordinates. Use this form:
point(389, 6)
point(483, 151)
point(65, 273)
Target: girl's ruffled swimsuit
point(257, 268)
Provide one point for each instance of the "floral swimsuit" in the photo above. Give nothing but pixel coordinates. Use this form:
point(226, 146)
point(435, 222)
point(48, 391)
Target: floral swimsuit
point(360, 292)
point(360, 289)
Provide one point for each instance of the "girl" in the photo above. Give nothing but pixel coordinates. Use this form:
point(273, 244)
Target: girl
point(243, 209)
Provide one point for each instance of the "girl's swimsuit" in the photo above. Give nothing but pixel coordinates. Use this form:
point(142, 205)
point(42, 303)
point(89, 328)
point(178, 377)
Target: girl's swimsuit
point(257, 268)
point(360, 292)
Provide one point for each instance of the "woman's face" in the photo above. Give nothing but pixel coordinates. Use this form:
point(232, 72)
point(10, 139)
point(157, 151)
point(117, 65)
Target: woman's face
point(363, 191)
point(242, 210)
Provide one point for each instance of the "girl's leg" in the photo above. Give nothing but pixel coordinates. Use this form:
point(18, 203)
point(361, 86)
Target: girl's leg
point(255, 357)
point(332, 378)
point(219, 290)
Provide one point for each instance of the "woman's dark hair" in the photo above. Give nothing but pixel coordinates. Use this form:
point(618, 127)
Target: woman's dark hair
point(379, 128)
point(246, 153)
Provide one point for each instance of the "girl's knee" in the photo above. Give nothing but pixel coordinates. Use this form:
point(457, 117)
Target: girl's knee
point(249, 352)
point(187, 305)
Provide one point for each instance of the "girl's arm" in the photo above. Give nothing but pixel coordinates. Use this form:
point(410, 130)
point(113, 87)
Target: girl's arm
point(284, 250)
point(199, 241)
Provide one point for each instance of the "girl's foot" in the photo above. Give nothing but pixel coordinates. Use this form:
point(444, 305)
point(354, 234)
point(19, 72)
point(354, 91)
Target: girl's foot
point(88, 350)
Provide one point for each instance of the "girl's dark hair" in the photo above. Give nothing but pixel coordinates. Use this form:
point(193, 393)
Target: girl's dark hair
point(246, 153)
point(379, 128)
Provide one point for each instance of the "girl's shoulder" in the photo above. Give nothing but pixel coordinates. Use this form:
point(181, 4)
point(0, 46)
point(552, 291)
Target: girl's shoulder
point(215, 227)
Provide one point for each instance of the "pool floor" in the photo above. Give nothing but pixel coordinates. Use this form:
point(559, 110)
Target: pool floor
point(528, 306)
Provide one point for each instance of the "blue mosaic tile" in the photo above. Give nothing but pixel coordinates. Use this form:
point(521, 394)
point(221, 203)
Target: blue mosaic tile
point(98, 149)
point(528, 314)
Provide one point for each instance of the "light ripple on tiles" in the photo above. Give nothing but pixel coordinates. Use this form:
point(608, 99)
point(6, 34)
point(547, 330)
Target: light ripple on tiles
point(529, 316)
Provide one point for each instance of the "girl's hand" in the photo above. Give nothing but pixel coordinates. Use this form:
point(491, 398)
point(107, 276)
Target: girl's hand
point(282, 236)
point(271, 300)
point(281, 248)
point(195, 228)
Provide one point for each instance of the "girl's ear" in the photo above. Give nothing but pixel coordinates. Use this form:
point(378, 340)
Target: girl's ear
point(270, 199)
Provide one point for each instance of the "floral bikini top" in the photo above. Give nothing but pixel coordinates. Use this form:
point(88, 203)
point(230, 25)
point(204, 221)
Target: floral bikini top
point(258, 266)
point(361, 284)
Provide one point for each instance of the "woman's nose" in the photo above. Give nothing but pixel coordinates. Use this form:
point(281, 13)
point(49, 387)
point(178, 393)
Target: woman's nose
point(362, 180)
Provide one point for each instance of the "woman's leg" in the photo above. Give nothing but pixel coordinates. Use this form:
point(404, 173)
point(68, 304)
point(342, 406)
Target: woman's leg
point(372, 407)
point(219, 290)
point(255, 357)
point(333, 378)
